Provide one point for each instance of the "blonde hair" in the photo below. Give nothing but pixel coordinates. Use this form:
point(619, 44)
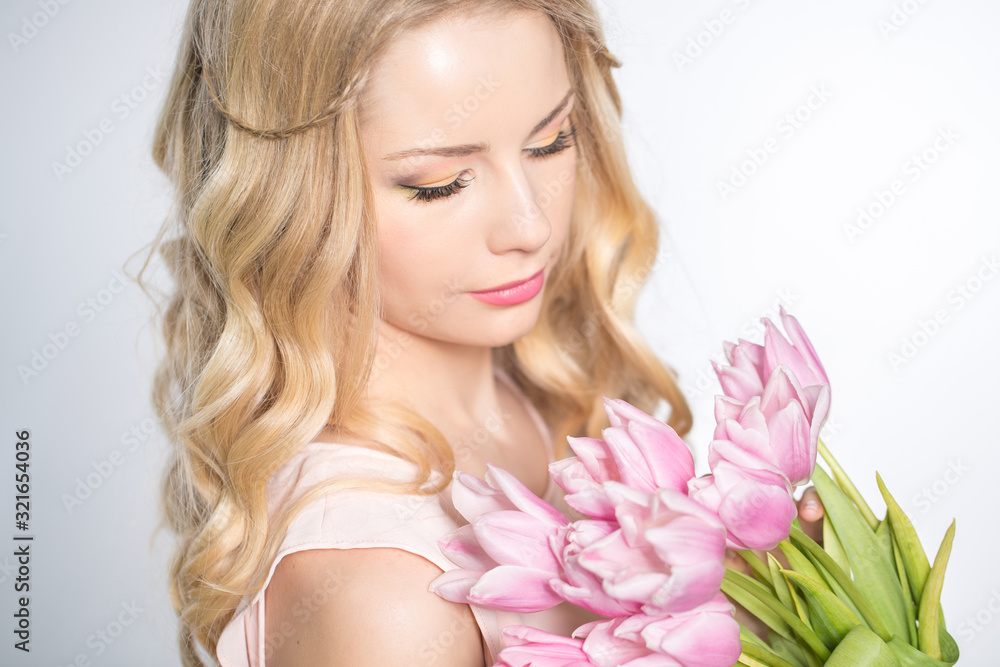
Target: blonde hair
point(270, 332)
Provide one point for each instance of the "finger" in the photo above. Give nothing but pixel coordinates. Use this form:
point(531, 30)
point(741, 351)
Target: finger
point(810, 506)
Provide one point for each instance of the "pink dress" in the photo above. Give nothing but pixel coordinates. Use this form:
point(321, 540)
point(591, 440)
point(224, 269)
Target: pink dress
point(352, 519)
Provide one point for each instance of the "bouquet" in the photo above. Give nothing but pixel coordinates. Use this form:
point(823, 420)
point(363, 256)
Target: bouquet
point(649, 554)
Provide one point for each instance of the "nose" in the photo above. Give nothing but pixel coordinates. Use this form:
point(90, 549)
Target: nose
point(519, 222)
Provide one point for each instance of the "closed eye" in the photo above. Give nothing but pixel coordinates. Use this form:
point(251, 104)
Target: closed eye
point(564, 140)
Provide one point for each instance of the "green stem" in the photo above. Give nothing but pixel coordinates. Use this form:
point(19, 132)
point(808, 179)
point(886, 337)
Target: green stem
point(847, 486)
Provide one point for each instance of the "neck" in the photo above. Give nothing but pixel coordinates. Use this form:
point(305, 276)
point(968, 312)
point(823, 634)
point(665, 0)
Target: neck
point(451, 385)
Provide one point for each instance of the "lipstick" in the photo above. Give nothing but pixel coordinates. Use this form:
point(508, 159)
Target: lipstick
point(512, 293)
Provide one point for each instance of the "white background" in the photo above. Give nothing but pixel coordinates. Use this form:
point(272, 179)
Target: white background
point(926, 422)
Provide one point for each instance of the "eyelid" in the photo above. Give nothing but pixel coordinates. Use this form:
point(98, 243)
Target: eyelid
point(558, 124)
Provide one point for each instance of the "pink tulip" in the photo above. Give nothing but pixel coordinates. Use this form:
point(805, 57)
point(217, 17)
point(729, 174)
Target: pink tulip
point(667, 556)
point(744, 377)
point(584, 492)
point(526, 646)
point(751, 365)
point(707, 636)
point(797, 354)
point(579, 585)
point(648, 454)
point(637, 450)
point(500, 490)
point(755, 506)
point(504, 553)
point(778, 431)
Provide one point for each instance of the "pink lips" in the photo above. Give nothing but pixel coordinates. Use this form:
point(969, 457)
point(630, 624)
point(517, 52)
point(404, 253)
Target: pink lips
point(512, 293)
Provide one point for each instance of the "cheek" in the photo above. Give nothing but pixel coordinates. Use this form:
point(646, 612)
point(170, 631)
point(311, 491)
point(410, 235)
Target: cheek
point(418, 264)
point(557, 199)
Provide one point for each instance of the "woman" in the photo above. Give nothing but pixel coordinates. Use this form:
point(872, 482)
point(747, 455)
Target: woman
point(359, 183)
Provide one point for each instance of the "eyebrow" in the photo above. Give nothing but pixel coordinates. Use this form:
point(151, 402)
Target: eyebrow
point(468, 149)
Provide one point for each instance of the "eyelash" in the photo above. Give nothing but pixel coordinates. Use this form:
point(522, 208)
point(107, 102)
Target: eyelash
point(564, 140)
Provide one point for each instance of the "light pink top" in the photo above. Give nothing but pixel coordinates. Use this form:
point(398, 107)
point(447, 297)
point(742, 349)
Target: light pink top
point(352, 519)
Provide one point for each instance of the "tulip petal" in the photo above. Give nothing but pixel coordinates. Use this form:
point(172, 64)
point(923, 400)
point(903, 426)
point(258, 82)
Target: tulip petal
point(522, 497)
point(738, 383)
point(473, 497)
point(454, 585)
point(514, 588)
point(595, 456)
point(757, 514)
point(669, 460)
point(462, 548)
point(804, 346)
point(514, 538)
point(688, 642)
point(789, 431)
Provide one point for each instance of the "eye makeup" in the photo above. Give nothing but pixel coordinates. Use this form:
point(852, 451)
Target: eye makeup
point(564, 140)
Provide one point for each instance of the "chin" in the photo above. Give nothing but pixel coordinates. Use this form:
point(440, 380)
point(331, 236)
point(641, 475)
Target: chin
point(503, 325)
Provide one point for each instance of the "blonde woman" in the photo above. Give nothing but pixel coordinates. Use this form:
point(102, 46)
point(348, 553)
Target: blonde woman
point(405, 242)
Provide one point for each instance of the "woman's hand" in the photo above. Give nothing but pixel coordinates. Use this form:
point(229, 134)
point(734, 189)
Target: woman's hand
point(811, 515)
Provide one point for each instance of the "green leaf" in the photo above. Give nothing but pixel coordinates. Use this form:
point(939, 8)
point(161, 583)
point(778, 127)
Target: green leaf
point(758, 566)
point(928, 616)
point(909, 656)
point(847, 486)
point(763, 656)
point(749, 601)
point(745, 589)
point(747, 635)
point(949, 647)
point(847, 586)
point(911, 607)
point(862, 648)
point(797, 560)
point(874, 574)
point(833, 546)
point(748, 661)
point(831, 619)
point(794, 652)
point(912, 552)
point(779, 583)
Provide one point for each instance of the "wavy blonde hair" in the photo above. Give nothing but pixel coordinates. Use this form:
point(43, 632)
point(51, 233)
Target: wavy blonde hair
point(270, 331)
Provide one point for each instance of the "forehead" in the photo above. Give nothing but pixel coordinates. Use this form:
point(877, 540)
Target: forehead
point(462, 66)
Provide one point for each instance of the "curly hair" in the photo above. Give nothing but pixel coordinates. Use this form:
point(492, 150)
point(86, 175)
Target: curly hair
point(270, 330)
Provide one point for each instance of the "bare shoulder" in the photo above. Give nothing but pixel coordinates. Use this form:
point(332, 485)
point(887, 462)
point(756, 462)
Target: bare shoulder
point(370, 606)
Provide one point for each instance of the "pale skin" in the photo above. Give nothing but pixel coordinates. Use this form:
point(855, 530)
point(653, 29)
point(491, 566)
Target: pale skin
point(436, 337)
